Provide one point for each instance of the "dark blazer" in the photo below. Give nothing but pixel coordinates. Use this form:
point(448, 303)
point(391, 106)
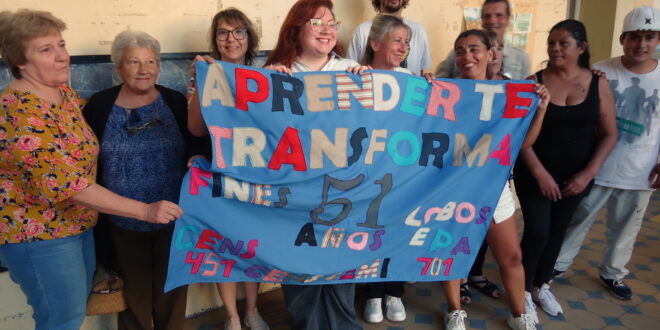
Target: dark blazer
point(96, 112)
point(98, 108)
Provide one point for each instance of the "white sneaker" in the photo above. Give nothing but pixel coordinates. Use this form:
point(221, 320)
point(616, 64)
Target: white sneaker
point(530, 307)
point(394, 310)
point(547, 300)
point(254, 321)
point(232, 324)
point(522, 322)
point(455, 320)
point(373, 312)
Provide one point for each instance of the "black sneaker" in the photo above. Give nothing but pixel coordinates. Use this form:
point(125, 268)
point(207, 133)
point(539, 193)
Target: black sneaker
point(618, 288)
point(555, 274)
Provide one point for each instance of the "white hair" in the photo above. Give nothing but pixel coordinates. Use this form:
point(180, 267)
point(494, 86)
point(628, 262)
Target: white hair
point(132, 39)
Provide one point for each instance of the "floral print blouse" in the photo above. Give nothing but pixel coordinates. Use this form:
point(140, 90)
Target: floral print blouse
point(48, 153)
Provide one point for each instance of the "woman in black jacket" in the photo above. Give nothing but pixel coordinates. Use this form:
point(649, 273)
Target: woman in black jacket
point(145, 145)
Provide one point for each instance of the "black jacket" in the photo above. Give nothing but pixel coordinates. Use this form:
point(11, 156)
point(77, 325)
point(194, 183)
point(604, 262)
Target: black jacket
point(98, 108)
point(96, 112)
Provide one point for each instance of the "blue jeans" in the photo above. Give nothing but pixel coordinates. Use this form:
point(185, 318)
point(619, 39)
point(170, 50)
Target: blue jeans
point(56, 276)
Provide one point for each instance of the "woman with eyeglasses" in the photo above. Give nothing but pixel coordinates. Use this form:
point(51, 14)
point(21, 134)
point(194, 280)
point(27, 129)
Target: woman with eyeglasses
point(308, 42)
point(232, 39)
point(48, 162)
point(145, 144)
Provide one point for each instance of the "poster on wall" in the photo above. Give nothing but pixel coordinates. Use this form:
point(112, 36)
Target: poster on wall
point(330, 177)
point(519, 32)
point(472, 17)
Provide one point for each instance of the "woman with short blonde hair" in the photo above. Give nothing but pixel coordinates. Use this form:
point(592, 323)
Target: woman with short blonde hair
point(48, 193)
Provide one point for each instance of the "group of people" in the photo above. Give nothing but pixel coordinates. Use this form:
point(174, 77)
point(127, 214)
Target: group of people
point(123, 154)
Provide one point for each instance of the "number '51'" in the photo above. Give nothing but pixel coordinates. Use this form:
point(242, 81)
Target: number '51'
point(372, 213)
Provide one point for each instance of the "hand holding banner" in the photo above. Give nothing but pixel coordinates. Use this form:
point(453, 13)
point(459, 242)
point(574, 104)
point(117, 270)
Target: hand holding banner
point(330, 177)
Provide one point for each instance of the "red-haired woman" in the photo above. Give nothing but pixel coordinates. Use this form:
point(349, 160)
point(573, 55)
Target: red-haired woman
point(308, 42)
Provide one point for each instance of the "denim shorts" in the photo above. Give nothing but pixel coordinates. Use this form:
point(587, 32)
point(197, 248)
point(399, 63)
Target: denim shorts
point(506, 206)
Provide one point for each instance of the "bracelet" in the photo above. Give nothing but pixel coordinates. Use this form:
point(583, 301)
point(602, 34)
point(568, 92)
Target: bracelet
point(192, 87)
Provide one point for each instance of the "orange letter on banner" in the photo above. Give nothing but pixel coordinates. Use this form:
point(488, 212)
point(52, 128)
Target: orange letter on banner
point(436, 100)
point(219, 133)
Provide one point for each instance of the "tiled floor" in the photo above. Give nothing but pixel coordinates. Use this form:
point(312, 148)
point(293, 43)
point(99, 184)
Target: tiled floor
point(587, 305)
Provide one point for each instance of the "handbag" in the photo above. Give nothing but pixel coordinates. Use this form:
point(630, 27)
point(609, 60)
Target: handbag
point(107, 293)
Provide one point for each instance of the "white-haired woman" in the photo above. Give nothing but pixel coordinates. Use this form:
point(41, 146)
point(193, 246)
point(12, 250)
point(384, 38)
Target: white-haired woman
point(142, 130)
point(48, 158)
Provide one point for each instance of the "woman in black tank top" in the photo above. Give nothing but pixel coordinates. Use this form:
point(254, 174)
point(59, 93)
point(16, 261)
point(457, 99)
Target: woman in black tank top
point(553, 175)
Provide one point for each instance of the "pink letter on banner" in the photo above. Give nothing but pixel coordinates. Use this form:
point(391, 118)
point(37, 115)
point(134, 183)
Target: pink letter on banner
point(219, 133)
point(436, 100)
point(196, 180)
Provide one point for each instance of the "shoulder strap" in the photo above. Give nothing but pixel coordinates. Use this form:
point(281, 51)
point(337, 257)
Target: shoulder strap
point(539, 76)
point(593, 86)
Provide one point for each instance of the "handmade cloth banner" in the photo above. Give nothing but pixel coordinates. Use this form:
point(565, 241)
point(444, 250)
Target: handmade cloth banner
point(330, 177)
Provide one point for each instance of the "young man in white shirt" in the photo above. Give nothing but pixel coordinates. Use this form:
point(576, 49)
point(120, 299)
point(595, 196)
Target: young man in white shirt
point(495, 16)
point(418, 58)
point(627, 179)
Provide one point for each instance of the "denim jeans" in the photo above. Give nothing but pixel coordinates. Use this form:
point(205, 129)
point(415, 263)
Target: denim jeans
point(625, 214)
point(56, 276)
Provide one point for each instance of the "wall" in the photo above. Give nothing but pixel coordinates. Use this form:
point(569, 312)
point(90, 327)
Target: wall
point(181, 26)
point(599, 15)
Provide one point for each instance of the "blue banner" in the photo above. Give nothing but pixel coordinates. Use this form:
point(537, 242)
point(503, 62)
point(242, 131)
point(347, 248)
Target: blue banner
point(330, 177)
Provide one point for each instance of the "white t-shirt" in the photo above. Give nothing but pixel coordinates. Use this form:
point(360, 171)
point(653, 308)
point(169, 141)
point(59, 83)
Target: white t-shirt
point(402, 70)
point(335, 63)
point(638, 123)
point(418, 57)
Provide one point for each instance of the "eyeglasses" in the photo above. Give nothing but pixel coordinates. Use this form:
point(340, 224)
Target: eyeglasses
point(317, 24)
point(134, 127)
point(239, 34)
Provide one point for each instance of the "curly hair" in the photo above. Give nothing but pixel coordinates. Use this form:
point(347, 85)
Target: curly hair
point(376, 4)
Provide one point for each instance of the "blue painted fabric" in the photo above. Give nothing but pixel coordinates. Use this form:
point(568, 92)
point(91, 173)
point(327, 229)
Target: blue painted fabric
point(329, 177)
point(146, 166)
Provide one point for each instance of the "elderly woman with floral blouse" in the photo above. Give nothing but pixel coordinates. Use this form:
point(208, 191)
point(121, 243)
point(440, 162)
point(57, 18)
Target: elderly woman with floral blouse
point(48, 194)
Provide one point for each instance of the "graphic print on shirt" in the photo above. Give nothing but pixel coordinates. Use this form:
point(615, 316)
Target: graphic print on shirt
point(635, 110)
